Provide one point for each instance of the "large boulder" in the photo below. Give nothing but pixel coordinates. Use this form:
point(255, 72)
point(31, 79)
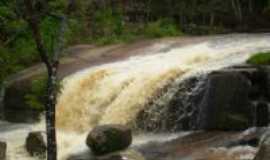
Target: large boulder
point(36, 144)
point(226, 105)
point(264, 150)
point(3, 150)
point(108, 138)
point(14, 103)
point(261, 118)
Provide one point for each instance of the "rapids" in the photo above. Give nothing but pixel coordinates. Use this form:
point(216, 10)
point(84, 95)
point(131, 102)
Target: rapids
point(116, 92)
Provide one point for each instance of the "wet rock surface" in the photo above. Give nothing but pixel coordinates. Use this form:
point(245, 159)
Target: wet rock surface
point(3, 150)
point(264, 149)
point(225, 105)
point(109, 138)
point(234, 98)
point(35, 144)
point(213, 145)
point(176, 110)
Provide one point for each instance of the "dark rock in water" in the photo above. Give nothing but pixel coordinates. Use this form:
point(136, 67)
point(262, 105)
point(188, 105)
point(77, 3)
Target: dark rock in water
point(15, 107)
point(264, 150)
point(3, 150)
point(262, 113)
point(225, 105)
point(36, 144)
point(108, 138)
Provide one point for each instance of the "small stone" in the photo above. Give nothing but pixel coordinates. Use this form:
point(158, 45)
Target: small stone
point(35, 144)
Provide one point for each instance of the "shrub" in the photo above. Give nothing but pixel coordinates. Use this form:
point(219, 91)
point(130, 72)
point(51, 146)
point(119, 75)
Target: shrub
point(108, 23)
point(161, 28)
point(36, 96)
point(260, 59)
point(8, 64)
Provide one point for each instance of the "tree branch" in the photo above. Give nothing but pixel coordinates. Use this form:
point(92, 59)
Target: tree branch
point(60, 39)
point(33, 22)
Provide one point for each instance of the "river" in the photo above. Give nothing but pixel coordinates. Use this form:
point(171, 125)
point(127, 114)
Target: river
point(116, 92)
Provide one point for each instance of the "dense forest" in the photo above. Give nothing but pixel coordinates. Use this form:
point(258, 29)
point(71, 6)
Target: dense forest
point(112, 21)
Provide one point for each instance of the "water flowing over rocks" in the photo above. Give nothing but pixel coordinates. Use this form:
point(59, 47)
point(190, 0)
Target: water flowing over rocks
point(108, 138)
point(3, 150)
point(176, 109)
point(233, 98)
point(168, 88)
point(36, 144)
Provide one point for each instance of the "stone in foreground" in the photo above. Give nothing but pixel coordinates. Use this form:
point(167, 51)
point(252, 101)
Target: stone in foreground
point(106, 139)
point(35, 144)
point(264, 150)
point(3, 150)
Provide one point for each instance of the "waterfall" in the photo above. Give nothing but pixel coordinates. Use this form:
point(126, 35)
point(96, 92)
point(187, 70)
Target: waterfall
point(119, 92)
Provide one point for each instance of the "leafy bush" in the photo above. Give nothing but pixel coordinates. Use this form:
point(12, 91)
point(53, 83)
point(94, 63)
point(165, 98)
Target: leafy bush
point(108, 23)
point(260, 59)
point(36, 96)
point(161, 28)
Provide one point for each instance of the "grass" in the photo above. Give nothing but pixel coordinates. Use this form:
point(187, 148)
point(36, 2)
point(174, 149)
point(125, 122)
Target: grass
point(262, 58)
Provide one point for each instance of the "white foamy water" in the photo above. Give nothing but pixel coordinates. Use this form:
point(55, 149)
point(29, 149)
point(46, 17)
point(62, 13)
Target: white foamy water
point(117, 92)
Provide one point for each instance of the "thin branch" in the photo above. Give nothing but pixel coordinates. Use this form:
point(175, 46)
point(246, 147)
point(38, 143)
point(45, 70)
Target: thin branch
point(33, 22)
point(60, 39)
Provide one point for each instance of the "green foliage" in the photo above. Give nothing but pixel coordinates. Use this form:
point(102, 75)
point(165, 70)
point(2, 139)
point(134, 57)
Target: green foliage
point(36, 96)
point(107, 23)
point(161, 28)
point(260, 59)
point(8, 64)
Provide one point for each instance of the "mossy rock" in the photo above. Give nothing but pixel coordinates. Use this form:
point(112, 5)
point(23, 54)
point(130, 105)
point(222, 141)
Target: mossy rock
point(260, 59)
point(108, 138)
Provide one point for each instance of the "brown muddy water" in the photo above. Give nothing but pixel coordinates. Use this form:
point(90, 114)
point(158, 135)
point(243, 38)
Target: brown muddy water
point(115, 92)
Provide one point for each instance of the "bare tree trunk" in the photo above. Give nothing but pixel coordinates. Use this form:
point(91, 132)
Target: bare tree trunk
point(148, 10)
point(234, 8)
point(2, 95)
point(237, 9)
point(250, 6)
point(50, 112)
point(240, 14)
point(212, 19)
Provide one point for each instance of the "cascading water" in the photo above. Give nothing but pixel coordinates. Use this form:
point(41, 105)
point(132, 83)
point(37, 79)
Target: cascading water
point(118, 92)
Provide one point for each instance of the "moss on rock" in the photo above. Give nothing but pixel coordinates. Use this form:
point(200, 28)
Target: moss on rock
point(262, 58)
